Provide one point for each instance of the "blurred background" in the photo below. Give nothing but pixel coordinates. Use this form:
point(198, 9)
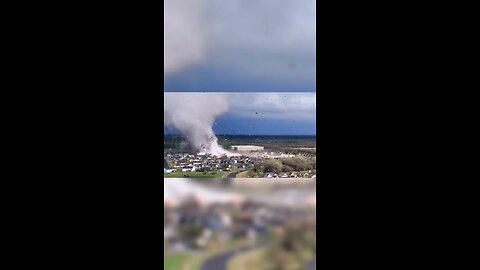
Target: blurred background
point(239, 224)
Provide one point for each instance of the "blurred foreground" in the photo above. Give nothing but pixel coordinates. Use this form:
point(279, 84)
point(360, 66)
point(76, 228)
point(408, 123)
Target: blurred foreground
point(241, 224)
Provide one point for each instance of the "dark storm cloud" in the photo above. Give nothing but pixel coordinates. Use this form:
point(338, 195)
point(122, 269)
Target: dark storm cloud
point(253, 42)
point(279, 106)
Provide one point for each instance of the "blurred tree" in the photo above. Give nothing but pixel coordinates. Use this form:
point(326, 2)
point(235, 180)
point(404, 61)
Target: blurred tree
point(291, 247)
point(273, 165)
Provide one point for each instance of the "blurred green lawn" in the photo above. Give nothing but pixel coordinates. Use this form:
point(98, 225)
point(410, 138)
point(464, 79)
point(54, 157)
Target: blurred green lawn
point(173, 262)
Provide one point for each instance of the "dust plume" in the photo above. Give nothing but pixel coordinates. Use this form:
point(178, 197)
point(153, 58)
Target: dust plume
point(193, 114)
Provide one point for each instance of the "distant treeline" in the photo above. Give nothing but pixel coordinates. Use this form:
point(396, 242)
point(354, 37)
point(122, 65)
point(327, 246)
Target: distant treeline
point(271, 143)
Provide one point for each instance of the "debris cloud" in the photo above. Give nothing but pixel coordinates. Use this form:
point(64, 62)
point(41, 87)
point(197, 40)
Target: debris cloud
point(193, 114)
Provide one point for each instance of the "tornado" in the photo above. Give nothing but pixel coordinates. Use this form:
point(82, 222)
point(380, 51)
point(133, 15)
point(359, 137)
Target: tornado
point(193, 114)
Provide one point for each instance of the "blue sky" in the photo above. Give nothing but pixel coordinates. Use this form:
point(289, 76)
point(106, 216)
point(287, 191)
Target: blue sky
point(249, 126)
point(229, 125)
point(240, 45)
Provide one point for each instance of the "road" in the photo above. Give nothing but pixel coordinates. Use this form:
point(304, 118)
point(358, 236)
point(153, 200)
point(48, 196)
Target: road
point(233, 175)
point(312, 265)
point(220, 262)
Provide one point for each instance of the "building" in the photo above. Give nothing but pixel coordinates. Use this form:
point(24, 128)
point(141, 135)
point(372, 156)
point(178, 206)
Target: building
point(247, 148)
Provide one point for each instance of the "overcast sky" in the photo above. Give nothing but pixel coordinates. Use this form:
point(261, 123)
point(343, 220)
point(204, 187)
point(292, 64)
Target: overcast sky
point(263, 113)
point(240, 45)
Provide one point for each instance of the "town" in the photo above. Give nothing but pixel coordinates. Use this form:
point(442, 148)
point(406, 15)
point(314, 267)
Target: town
point(247, 165)
point(206, 163)
point(224, 222)
point(202, 229)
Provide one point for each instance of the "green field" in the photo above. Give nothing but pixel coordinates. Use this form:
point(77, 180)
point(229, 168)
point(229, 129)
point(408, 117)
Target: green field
point(173, 262)
point(190, 261)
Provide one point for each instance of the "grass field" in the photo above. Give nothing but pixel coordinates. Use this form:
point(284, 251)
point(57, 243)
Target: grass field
point(194, 261)
point(174, 262)
point(184, 262)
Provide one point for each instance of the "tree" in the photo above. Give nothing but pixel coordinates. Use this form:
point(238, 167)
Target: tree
point(287, 168)
point(224, 166)
point(291, 247)
point(251, 174)
point(259, 168)
point(273, 165)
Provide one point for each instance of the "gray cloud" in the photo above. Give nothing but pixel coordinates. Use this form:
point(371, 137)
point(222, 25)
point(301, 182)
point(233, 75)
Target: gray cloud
point(287, 106)
point(193, 113)
point(184, 37)
point(259, 38)
point(286, 26)
point(263, 37)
